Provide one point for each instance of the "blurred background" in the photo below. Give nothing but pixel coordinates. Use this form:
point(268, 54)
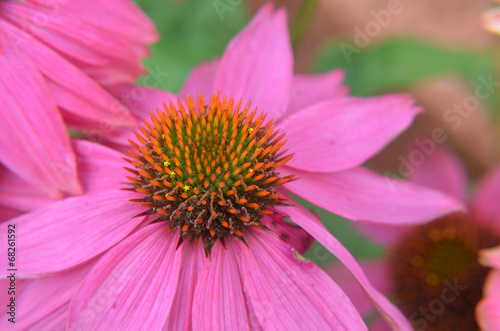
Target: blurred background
point(436, 50)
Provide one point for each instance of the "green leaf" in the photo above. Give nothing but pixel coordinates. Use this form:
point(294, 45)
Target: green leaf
point(400, 63)
point(191, 32)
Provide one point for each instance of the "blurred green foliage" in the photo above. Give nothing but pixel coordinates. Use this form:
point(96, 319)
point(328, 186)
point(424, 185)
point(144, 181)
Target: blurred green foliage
point(191, 31)
point(398, 64)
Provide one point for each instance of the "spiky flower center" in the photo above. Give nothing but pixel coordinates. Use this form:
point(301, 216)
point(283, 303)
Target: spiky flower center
point(209, 170)
point(437, 275)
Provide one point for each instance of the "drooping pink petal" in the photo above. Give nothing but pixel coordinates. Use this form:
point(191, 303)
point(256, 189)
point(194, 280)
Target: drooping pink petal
point(310, 89)
point(201, 80)
point(257, 65)
point(99, 168)
point(17, 193)
point(69, 232)
point(289, 232)
point(375, 270)
point(441, 170)
point(488, 309)
point(219, 300)
point(485, 204)
point(74, 91)
point(390, 313)
point(132, 286)
point(40, 300)
point(362, 195)
point(343, 133)
point(288, 292)
point(33, 141)
point(192, 260)
point(141, 101)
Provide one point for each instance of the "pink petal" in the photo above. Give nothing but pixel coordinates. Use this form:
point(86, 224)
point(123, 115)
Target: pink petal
point(488, 309)
point(490, 257)
point(109, 38)
point(201, 80)
point(141, 101)
point(72, 231)
point(488, 313)
point(192, 260)
point(485, 204)
point(257, 65)
point(289, 293)
point(74, 91)
point(441, 170)
point(219, 299)
point(33, 141)
point(99, 168)
point(492, 285)
point(393, 316)
point(289, 232)
point(17, 193)
point(360, 194)
point(40, 300)
point(376, 271)
point(4, 295)
point(132, 286)
point(56, 320)
point(7, 213)
point(342, 133)
point(310, 89)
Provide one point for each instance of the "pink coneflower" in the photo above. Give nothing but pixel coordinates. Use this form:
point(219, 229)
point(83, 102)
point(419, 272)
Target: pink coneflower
point(432, 271)
point(55, 58)
point(202, 239)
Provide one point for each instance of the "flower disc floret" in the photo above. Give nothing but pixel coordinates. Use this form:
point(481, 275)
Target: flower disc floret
point(209, 169)
point(439, 260)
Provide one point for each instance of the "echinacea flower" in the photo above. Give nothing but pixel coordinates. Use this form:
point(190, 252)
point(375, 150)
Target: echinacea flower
point(202, 240)
point(56, 57)
point(433, 271)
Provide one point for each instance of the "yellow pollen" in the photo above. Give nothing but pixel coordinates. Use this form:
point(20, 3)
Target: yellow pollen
point(186, 188)
point(166, 163)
